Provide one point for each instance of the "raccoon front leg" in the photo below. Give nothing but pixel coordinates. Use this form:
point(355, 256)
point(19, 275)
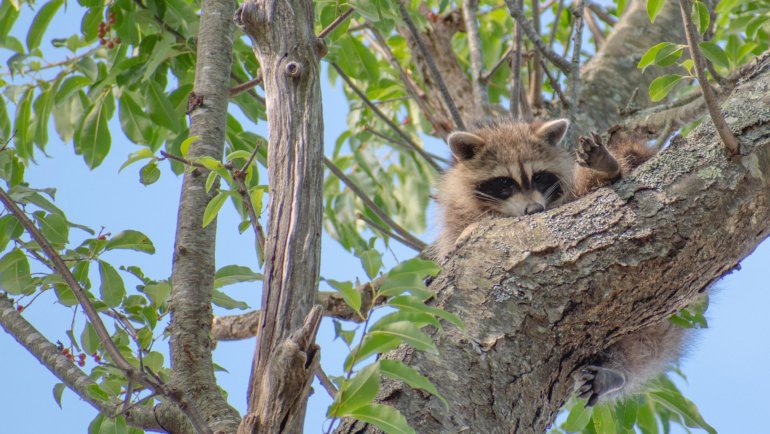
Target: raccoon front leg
point(592, 154)
point(630, 363)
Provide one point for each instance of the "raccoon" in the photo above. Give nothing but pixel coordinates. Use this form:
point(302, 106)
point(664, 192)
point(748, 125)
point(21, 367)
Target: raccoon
point(507, 168)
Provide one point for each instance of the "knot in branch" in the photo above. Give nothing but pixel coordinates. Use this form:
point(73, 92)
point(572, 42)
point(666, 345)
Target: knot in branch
point(293, 69)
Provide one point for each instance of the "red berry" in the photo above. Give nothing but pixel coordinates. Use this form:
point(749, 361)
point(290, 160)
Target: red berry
point(117, 40)
point(20, 308)
point(81, 363)
point(81, 356)
point(407, 120)
point(110, 45)
point(102, 41)
point(432, 17)
point(101, 237)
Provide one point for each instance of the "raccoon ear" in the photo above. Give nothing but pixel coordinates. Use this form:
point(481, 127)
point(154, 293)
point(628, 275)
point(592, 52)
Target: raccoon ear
point(464, 145)
point(553, 131)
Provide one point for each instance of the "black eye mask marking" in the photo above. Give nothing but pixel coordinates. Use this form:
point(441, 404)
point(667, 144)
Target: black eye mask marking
point(548, 185)
point(499, 188)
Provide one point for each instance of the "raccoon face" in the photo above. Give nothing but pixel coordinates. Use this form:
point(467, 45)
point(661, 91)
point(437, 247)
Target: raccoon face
point(522, 195)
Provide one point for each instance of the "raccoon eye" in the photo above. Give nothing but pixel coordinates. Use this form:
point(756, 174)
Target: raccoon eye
point(499, 188)
point(548, 184)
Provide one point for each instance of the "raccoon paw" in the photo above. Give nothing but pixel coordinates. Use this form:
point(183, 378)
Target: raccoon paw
point(591, 153)
point(593, 382)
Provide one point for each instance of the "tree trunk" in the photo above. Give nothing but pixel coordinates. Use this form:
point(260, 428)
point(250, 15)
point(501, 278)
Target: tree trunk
point(541, 295)
point(286, 355)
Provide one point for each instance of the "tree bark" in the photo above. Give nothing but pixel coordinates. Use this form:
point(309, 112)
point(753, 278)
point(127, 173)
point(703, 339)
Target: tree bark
point(192, 275)
point(541, 295)
point(286, 355)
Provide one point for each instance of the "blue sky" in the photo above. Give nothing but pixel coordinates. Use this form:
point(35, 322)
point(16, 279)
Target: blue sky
point(726, 366)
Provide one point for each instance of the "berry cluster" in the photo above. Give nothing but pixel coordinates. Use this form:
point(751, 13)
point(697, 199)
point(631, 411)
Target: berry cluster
point(105, 27)
point(81, 358)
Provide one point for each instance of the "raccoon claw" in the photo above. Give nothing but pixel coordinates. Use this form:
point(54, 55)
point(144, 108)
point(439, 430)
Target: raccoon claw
point(593, 382)
point(592, 153)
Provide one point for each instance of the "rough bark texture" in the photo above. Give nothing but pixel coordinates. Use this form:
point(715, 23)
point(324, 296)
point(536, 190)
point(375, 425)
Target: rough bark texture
point(540, 296)
point(193, 264)
point(289, 54)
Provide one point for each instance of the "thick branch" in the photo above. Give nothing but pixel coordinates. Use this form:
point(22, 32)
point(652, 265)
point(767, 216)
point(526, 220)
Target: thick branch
point(193, 268)
point(518, 14)
point(541, 295)
point(470, 16)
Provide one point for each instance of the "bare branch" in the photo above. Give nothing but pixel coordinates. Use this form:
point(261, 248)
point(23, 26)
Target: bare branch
point(594, 28)
point(326, 382)
point(555, 24)
point(397, 142)
point(243, 87)
point(535, 77)
point(389, 233)
point(240, 178)
point(534, 37)
point(334, 24)
point(555, 85)
point(574, 76)
point(403, 233)
point(516, 93)
point(480, 94)
point(601, 13)
point(728, 138)
point(384, 118)
point(505, 58)
point(450, 104)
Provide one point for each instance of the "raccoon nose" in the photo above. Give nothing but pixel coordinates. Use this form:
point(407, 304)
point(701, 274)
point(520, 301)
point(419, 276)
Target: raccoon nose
point(534, 208)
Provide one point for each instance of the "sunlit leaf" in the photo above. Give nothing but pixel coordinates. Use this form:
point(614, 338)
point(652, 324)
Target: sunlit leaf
point(661, 86)
point(40, 23)
point(384, 417)
point(112, 289)
point(653, 8)
point(213, 207)
point(132, 240)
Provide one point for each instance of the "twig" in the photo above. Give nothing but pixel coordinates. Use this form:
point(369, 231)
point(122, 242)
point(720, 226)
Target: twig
point(389, 233)
point(394, 141)
point(555, 85)
point(728, 138)
point(413, 146)
point(594, 28)
point(458, 120)
point(552, 56)
point(239, 175)
point(555, 24)
point(535, 76)
point(373, 206)
point(515, 97)
point(475, 47)
point(411, 87)
point(505, 58)
point(601, 13)
point(574, 76)
point(254, 82)
point(182, 160)
point(630, 107)
point(334, 24)
point(326, 382)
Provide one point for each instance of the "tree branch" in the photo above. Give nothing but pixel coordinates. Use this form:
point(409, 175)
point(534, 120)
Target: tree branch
point(516, 94)
point(192, 275)
point(518, 14)
point(480, 94)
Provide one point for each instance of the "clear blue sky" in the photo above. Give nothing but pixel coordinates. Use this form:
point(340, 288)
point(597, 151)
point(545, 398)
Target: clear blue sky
point(726, 367)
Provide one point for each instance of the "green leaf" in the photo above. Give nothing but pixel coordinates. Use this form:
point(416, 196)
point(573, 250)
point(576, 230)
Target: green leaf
point(649, 57)
point(158, 293)
point(420, 266)
point(372, 262)
point(70, 85)
point(358, 391)
point(154, 361)
point(410, 302)
point(113, 426)
point(149, 173)
point(756, 23)
point(398, 371)
point(223, 300)
point(160, 109)
point(645, 418)
point(373, 343)
point(55, 229)
point(141, 154)
point(714, 53)
point(40, 23)
point(185, 146)
point(401, 331)
point(701, 16)
point(131, 240)
point(654, 7)
point(111, 289)
point(399, 283)
point(64, 295)
point(96, 392)
point(578, 417)
point(346, 335)
point(134, 121)
point(58, 389)
point(349, 294)
point(661, 86)
point(22, 125)
point(15, 277)
point(89, 339)
point(383, 417)
point(674, 401)
point(367, 9)
point(212, 209)
point(604, 421)
point(417, 318)
point(93, 140)
point(231, 274)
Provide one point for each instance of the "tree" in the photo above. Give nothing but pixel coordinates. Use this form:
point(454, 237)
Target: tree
point(659, 237)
